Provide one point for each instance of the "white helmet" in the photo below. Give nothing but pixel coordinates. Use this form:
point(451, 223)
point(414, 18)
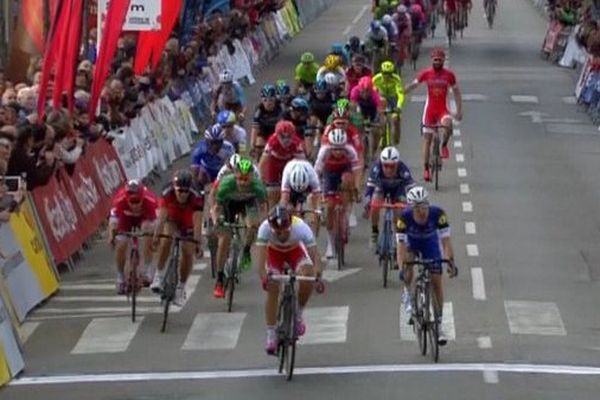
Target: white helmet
point(417, 195)
point(386, 20)
point(389, 155)
point(338, 137)
point(226, 76)
point(300, 176)
point(233, 161)
point(331, 79)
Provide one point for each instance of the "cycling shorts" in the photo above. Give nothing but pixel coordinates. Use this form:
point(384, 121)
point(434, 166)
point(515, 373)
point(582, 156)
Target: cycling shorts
point(332, 181)
point(274, 171)
point(296, 257)
point(428, 251)
point(433, 117)
point(243, 208)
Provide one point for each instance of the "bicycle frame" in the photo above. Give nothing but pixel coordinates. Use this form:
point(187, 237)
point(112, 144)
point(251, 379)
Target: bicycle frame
point(386, 248)
point(133, 283)
point(340, 228)
point(232, 268)
point(435, 159)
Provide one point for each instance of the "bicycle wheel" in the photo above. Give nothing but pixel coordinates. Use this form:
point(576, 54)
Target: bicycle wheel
point(419, 320)
point(213, 243)
point(291, 343)
point(283, 332)
point(384, 263)
point(133, 281)
point(339, 238)
point(433, 330)
point(169, 286)
point(231, 276)
point(436, 163)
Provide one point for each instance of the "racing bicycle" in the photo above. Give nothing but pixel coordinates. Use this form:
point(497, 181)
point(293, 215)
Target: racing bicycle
point(134, 283)
point(232, 267)
point(386, 249)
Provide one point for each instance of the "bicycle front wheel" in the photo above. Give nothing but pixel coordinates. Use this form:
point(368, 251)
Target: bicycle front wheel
point(169, 287)
point(384, 262)
point(421, 313)
point(339, 238)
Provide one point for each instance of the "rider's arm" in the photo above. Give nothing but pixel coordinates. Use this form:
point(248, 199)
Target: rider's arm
point(255, 129)
point(264, 162)
point(262, 240)
point(444, 233)
point(401, 239)
point(399, 93)
point(458, 100)
point(197, 231)
point(411, 86)
point(162, 219)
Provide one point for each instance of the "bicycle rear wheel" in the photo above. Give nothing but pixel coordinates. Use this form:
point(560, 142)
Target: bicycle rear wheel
point(384, 263)
point(339, 238)
point(133, 283)
point(421, 305)
point(434, 327)
point(436, 164)
point(231, 277)
point(213, 243)
point(169, 286)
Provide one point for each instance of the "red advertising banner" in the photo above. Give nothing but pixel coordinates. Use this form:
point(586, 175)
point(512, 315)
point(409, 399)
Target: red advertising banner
point(72, 207)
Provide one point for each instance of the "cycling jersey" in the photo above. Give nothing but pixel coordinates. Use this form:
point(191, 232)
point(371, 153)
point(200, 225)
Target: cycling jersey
point(122, 215)
point(326, 162)
point(394, 186)
point(424, 238)
point(226, 170)
point(368, 106)
point(300, 124)
point(291, 251)
point(211, 163)
point(279, 155)
point(237, 136)
point(321, 108)
point(306, 73)
point(353, 76)
point(229, 96)
point(390, 88)
point(266, 120)
point(353, 137)
point(178, 213)
point(438, 83)
point(230, 191)
point(313, 179)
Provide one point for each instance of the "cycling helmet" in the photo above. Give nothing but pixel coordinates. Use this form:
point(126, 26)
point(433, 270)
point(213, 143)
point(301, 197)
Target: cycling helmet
point(300, 176)
point(331, 79)
point(298, 103)
point(337, 48)
point(282, 87)
point(438, 53)
point(338, 137)
point(387, 67)
point(375, 26)
point(226, 117)
point(386, 20)
point(233, 161)
point(389, 155)
point(268, 90)
point(245, 166)
point(183, 179)
point(307, 57)
point(321, 86)
point(285, 127)
point(280, 218)
point(226, 76)
point(402, 9)
point(341, 109)
point(134, 190)
point(365, 83)
point(417, 195)
point(214, 133)
point(354, 42)
point(332, 62)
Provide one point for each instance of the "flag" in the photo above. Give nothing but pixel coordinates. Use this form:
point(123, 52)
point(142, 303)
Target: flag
point(61, 41)
point(32, 15)
point(72, 53)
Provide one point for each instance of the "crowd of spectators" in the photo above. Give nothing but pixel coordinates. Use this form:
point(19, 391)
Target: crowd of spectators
point(34, 148)
point(582, 13)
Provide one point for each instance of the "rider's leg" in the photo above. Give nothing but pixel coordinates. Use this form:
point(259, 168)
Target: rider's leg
point(425, 149)
point(436, 281)
point(396, 119)
point(186, 261)
point(446, 122)
point(121, 245)
point(222, 252)
point(165, 248)
point(375, 213)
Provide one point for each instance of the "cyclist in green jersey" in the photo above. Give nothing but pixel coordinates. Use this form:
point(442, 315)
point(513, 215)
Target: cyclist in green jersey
point(239, 193)
point(305, 74)
point(389, 85)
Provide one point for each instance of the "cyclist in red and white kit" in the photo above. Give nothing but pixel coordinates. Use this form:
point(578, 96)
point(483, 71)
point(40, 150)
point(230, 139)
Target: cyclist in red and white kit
point(134, 207)
point(283, 146)
point(435, 113)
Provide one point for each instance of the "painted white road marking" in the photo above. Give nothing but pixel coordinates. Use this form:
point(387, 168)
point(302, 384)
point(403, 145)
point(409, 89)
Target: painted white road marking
point(418, 98)
point(478, 284)
point(484, 342)
point(460, 157)
point(490, 376)
point(214, 331)
point(470, 228)
point(472, 250)
point(524, 369)
point(407, 333)
point(27, 329)
point(332, 275)
point(347, 30)
point(474, 97)
point(467, 206)
point(360, 14)
point(200, 266)
point(569, 100)
point(536, 116)
point(524, 99)
point(458, 144)
point(107, 335)
point(534, 318)
point(456, 132)
point(325, 325)
point(462, 172)
point(87, 286)
point(464, 188)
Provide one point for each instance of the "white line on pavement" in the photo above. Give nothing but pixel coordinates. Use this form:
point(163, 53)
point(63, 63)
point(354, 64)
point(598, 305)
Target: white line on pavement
point(524, 99)
point(108, 299)
point(464, 188)
point(347, 30)
point(460, 157)
point(327, 325)
point(467, 206)
point(470, 228)
point(360, 14)
point(534, 318)
point(107, 335)
point(215, 331)
point(478, 284)
point(472, 250)
point(490, 376)
point(462, 172)
point(458, 144)
point(456, 132)
point(27, 330)
point(526, 369)
point(484, 342)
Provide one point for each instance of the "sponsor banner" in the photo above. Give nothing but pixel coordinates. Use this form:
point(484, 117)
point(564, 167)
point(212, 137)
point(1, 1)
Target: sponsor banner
point(143, 15)
point(11, 360)
point(30, 239)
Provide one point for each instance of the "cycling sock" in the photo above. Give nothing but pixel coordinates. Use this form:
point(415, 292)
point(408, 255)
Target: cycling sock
point(220, 277)
point(375, 229)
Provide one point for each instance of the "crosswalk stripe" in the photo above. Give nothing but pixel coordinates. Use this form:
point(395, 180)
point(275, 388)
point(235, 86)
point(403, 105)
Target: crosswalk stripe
point(534, 318)
point(407, 333)
point(518, 98)
point(325, 325)
point(214, 331)
point(27, 329)
point(107, 335)
point(108, 299)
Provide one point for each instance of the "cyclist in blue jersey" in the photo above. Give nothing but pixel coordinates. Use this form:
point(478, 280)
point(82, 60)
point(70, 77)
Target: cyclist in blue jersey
point(424, 229)
point(229, 95)
point(210, 155)
point(389, 177)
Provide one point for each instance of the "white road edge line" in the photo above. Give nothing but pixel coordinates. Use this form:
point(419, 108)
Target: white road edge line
point(478, 284)
point(547, 369)
point(347, 30)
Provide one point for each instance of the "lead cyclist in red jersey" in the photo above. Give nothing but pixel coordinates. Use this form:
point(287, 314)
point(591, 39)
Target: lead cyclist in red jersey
point(439, 80)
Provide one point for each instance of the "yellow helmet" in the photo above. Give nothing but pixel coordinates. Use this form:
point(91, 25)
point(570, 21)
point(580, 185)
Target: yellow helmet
point(387, 67)
point(332, 62)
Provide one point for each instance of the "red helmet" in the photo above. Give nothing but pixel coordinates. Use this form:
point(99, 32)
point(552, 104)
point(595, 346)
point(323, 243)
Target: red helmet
point(284, 127)
point(438, 53)
point(365, 83)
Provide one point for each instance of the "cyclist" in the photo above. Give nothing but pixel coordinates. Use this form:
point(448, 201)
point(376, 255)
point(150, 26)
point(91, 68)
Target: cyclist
point(341, 118)
point(393, 35)
point(389, 85)
point(284, 93)
point(357, 70)
point(321, 105)
point(233, 133)
point(369, 104)
point(335, 84)
point(298, 114)
point(383, 7)
point(180, 213)
point(338, 49)
point(435, 113)
point(306, 73)
point(240, 193)
point(389, 177)
point(336, 164)
point(266, 116)
point(229, 95)
point(210, 155)
point(355, 47)
point(134, 206)
point(284, 239)
point(421, 228)
point(332, 65)
point(300, 183)
point(282, 147)
point(376, 44)
point(229, 168)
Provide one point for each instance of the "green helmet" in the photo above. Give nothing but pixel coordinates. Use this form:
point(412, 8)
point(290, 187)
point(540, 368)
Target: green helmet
point(307, 57)
point(342, 107)
point(245, 166)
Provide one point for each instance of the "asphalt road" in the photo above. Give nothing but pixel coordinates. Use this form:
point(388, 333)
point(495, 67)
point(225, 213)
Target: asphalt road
point(521, 191)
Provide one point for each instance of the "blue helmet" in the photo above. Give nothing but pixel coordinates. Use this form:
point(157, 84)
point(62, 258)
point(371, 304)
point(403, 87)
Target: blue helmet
point(283, 89)
point(214, 133)
point(268, 90)
point(321, 85)
point(337, 48)
point(298, 103)
point(375, 25)
point(226, 117)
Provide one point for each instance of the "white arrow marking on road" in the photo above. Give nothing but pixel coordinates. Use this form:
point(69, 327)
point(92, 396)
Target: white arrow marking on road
point(478, 284)
point(536, 116)
point(332, 275)
point(467, 206)
point(464, 188)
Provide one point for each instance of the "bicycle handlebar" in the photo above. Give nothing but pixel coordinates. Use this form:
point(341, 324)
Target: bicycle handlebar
point(429, 262)
point(383, 204)
point(177, 238)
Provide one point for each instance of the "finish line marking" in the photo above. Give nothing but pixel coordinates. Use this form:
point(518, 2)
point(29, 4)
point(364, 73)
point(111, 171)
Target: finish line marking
point(545, 369)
